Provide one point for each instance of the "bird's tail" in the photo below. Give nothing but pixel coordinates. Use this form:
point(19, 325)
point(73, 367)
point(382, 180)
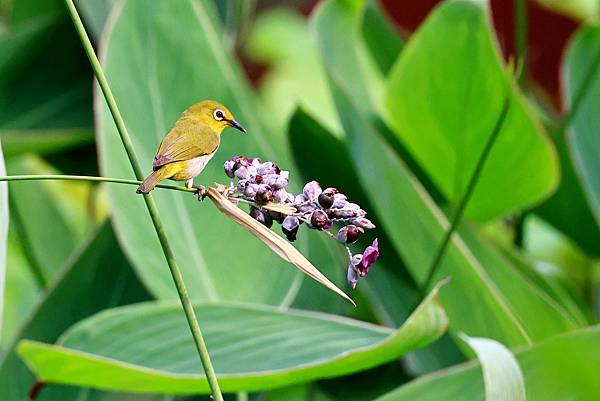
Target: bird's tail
point(151, 181)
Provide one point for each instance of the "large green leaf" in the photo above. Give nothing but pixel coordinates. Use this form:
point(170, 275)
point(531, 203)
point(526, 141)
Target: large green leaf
point(295, 76)
point(43, 230)
point(583, 52)
point(567, 209)
point(483, 297)
point(502, 376)
point(44, 109)
point(561, 368)
point(3, 235)
point(443, 98)
point(99, 277)
point(148, 347)
point(219, 260)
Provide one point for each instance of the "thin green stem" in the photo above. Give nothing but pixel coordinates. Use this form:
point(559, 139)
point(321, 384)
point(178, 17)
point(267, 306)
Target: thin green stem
point(435, 264)
point(150, 204)
point(51, 177)
point(521, 40)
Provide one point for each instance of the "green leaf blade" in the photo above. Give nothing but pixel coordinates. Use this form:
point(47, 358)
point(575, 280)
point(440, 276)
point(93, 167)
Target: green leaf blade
point(481, 297)
point(3, 234)
point(252, 347)
point(560, 368)
point(582, 58)
point(502, 375)
point(443, 96)
point(202, 238)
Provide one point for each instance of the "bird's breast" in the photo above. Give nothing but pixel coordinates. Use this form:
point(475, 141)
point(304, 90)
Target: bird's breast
point(191, 168)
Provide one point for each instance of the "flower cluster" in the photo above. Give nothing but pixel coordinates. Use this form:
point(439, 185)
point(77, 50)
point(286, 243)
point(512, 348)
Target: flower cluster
point(320, 209)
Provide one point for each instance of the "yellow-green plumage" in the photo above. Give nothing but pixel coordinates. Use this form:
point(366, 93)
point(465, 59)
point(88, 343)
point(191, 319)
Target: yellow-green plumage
point(190, 144)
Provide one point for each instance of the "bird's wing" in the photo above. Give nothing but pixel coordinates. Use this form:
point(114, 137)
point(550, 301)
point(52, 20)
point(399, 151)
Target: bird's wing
point(187, 139)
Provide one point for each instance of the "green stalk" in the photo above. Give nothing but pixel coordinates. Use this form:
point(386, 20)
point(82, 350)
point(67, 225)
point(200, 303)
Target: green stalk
point(435, 264)
point(150, 204)
point(50, 177)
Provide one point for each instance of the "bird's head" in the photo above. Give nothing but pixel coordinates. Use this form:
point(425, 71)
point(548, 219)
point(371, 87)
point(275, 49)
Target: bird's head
point(215, 115)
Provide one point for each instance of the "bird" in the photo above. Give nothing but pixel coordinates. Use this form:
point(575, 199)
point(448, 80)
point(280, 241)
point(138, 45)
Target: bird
point(190, 144)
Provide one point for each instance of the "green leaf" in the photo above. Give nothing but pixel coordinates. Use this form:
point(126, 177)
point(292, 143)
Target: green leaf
point(487, 295)
point(98, 277)
point(381, 39)
point(3, 235)
point(502, 376)
point(252, 347)
point(46, 237)
point(219, 260)
point(578, 9)
point(295, 76)
point(567, 209)
point(94, 14)
point(583, 57)
point(21, 290)
point(443, 98)
point(44, 109)
point(562, 368)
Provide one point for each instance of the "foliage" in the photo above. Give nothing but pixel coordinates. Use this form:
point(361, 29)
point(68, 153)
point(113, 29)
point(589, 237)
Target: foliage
point(399, 123)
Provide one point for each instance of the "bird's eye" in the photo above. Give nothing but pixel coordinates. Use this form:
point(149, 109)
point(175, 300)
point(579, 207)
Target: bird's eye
point(218, 115)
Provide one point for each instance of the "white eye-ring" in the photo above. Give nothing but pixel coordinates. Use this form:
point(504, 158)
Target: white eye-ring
point(218, 114)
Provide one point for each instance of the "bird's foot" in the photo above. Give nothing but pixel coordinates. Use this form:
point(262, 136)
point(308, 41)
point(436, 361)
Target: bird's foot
point(200, 191)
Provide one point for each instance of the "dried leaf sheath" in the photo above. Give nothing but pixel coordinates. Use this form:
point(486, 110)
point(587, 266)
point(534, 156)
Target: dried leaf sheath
point(280, 246)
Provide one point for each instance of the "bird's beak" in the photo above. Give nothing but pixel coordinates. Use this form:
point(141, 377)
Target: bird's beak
point(236, 125)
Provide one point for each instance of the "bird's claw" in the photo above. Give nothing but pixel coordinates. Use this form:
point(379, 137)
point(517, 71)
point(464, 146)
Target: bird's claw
point(200, 191)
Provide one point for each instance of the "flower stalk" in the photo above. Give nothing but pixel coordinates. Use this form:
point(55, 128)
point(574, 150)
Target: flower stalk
point(150, 204)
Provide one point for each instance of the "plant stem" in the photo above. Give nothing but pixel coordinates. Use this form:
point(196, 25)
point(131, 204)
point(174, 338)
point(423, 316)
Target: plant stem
point(88, 178)
point(150, 204)
point(467, 195)
point(521, 40)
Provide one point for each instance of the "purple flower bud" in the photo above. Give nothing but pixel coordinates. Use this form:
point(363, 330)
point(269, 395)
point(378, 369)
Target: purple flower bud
point(306, 208)
point(242, 184)
point(262, 216)
point(339, 200)
point(369, 257)
point(250, 191)
point(348, 234)
point(290, 227)
point(232, 164)
point(242, 173)
point(263, 194)
point(352, 277)
point(266, 168)
point(363, 223)
point(281, 195)
point(312, 190)
point(326, 198)
point(282, 180)
point(228, 167)
point(300, 199)
point(319, 220)
point(270, 179)
point(350, 210)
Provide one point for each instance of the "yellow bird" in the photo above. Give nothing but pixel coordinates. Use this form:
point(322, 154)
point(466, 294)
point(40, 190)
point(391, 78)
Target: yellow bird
point(190, 144)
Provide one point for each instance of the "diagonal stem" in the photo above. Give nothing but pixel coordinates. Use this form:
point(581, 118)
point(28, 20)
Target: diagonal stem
point(435, 264)
point(150, 204)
